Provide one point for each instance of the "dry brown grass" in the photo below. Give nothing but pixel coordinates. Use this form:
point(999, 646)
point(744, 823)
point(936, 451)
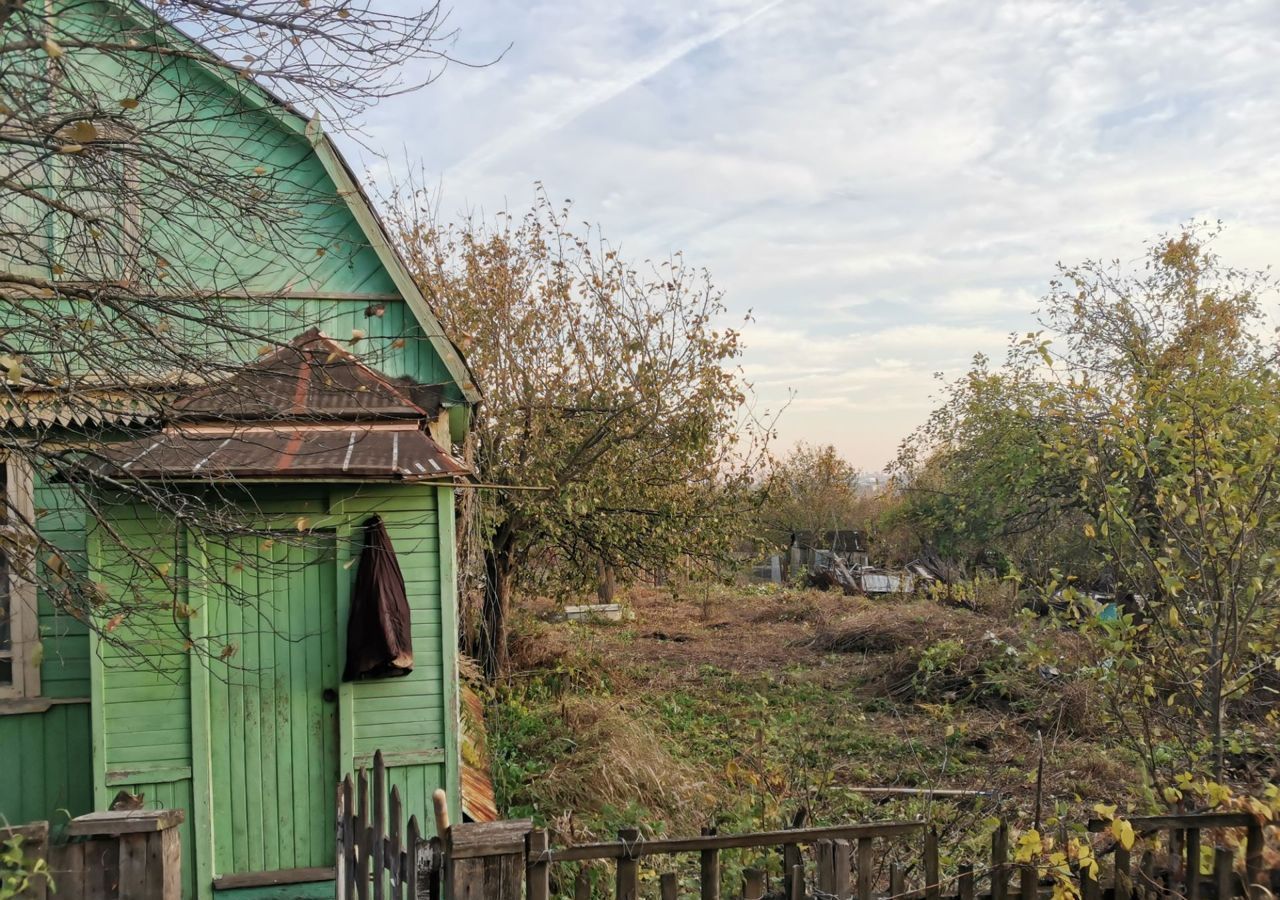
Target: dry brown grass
point(619, 758)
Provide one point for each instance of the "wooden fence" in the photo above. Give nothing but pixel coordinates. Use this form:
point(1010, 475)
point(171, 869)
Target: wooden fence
point(853, 861)
point(384, 858)
point(379, 855)
point(121, 855)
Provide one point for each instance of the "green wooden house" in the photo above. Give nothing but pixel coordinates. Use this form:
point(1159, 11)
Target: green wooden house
point(222, 691)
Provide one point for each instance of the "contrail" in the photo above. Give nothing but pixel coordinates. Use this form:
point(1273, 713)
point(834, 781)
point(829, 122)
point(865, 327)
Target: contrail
point(603, 92)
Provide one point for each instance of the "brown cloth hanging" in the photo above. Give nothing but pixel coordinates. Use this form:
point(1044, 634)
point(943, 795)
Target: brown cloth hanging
point(379, 643)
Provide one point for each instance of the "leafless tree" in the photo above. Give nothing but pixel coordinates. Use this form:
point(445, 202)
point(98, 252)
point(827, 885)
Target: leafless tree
point(149, 200)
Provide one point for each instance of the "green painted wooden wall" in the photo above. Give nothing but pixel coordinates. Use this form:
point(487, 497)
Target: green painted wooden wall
point(49, 748)
point(164, 722)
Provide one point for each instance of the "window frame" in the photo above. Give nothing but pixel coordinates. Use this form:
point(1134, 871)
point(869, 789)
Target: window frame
point(24, 613)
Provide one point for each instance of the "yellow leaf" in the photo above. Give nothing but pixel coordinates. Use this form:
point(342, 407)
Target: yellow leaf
point(1122, 831)
point(1174, 620)
point(53, 48)
point(1104, 811)
point(84, 133)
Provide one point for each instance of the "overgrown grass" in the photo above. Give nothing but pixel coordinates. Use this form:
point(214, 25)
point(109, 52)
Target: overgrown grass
point(768, 707)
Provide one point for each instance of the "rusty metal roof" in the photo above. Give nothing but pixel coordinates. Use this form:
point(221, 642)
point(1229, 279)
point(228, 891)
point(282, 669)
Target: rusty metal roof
point(311, 377)
point(477, 787)
point(279, 451)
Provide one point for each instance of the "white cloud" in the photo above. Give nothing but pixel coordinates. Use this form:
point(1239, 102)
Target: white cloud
point(888, 185)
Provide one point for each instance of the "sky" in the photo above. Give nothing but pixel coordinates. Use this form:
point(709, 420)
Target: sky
point(886, 186)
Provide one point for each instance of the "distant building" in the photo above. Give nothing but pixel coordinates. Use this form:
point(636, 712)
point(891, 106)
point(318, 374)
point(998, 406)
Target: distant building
point(811, 549)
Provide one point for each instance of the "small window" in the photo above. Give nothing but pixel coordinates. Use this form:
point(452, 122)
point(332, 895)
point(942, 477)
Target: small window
point(19, 620)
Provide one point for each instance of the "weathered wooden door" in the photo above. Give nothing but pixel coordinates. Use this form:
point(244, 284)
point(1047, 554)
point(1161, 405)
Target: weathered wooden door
point(273, 707)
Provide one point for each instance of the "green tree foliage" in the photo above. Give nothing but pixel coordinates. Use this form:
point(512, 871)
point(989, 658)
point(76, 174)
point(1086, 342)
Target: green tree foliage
point(1140, 431)
point(814, 490)
point(612, 408)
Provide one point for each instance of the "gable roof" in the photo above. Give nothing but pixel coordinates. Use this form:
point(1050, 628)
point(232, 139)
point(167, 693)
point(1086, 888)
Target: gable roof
point(347, 186)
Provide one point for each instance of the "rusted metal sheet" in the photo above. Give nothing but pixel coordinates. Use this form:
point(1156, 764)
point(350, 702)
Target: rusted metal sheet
point(477, 787)
point(283, 452)
point(311, 377)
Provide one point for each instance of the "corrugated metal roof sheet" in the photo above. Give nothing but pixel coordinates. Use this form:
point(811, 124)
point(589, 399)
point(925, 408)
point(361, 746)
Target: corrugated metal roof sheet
point(310, 377)
point(282, 451)
point(477, 787)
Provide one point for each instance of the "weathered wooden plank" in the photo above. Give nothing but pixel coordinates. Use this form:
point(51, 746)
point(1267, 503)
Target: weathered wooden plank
point(1123, 883)
point(132, 821)
point(1223, 869)
point(1028, 880)
point(475, 839)
point(999, 862)
point(612, 850)
point(628, 885)
point(395, 862)
point(709, 868)
point(897, 880)
point(966, 881)
point(364, 836)
point(538, 877)
point(932, 872)
point(824, 865)
point(302, 875)
point(669, 886)
point(1192, 866)
point(752, 883)
point(378, 861)
point(866, 862)
point(840, 859)
point(1255, 845)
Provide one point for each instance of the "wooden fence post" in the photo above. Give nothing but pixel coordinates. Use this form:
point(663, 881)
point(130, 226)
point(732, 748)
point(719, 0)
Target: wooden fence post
point(932, 871)
point(1192, 879)
point(628, 881)
point(866, 862)
point(710, 870)
point(791, 859)
point(966, 882)
point(538, 872)
point(670, 886)
point(1123, 885)
point(486, 860)
point(1223, 867)
point(999, 861)
point(1254, 845)
point(752, 884)
point(840, 860)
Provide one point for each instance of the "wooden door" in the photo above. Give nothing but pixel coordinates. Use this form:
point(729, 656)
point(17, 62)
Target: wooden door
point(273, 707)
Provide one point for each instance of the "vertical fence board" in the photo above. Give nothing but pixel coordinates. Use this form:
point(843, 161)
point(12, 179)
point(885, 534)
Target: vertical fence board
point(379, 824)
point(670, 886)
point(395, 853)
point(840, 859)
point(866, 862)
point(1028, 880)
point(897, 880)
point(628, 884)
point(538, 875)
point(752, 884)
point(797, 882)
point(999, 860)
point(582, 884)
point(1254, 845)
point(1123, 882)
point(932, 872)
point(1223, 867)
point(791, 858)
point(965, 874)
point(1192, 868)
point(710, 871)
point(362, 836)
point(826, 876)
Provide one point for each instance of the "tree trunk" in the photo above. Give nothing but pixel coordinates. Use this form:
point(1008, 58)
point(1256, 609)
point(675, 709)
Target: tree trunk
point(607, 584)
point(499, 571)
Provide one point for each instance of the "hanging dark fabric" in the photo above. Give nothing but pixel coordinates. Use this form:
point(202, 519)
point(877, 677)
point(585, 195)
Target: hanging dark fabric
point(379, 643)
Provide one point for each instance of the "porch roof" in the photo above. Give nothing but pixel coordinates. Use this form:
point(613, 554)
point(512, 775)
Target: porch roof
point(282, 451)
